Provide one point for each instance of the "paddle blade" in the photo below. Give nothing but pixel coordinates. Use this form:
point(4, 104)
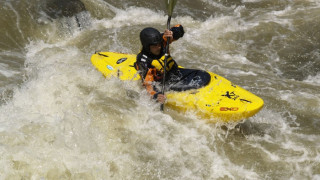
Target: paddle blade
point(170, 5)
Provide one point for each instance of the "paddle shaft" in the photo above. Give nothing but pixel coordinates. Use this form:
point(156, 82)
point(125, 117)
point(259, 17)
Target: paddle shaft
point(165, 62)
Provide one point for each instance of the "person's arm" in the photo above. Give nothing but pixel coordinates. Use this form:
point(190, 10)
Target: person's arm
point(148, 83)
point(174, 33)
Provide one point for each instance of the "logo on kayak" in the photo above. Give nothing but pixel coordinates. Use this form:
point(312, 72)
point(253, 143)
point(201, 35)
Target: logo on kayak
point(244, 100)
point(229, 108)
point(110, 67)
point(231, 95)
point(121, 60)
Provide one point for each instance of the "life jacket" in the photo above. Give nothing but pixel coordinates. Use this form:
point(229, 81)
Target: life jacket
point(144, 63)
point(160, 63)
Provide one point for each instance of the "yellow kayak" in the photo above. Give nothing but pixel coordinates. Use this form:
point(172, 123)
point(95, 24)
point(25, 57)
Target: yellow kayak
point(217, 101)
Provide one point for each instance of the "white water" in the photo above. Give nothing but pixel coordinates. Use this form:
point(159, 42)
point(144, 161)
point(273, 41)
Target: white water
point(66, 121)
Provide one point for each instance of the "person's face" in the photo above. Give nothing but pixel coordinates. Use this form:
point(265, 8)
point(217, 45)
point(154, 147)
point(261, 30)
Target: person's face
point(155, 49)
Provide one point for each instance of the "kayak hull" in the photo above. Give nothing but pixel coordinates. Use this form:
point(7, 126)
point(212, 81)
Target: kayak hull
point(219, 101)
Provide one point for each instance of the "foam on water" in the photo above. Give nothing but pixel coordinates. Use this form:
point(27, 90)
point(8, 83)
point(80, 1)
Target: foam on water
point(313, 79)
point(303, 101)
point(5, 72)
point(66, 121)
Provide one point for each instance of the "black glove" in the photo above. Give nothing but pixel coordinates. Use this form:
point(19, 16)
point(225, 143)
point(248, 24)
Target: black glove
point(177, 31)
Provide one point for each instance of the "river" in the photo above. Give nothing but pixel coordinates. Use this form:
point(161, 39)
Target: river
point(61, 119)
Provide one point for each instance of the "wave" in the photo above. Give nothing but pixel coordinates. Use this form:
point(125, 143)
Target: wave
point(62, 115)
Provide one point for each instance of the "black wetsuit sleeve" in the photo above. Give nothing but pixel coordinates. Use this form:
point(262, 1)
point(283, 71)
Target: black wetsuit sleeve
point(177, 31)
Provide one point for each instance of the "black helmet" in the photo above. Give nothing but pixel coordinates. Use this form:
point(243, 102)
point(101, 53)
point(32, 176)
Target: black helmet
point(150, 36)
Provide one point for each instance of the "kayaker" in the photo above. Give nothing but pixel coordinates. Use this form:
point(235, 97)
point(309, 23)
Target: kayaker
point(150, 61)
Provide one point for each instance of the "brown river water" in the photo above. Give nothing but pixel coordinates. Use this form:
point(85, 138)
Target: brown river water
point(61, 119)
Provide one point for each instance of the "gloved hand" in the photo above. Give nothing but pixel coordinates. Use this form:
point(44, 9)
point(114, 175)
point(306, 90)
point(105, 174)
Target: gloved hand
point(178, 31)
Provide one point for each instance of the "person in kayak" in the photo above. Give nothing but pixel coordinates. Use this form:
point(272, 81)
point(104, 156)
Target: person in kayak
point(150, 61)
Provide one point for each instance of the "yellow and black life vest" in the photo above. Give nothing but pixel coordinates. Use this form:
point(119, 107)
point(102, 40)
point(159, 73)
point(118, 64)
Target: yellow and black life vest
point(159, 64)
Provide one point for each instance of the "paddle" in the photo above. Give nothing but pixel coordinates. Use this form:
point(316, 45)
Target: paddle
point(170, 5)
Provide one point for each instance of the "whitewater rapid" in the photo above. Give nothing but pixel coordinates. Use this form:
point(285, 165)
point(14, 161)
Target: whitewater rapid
point(61, 119)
